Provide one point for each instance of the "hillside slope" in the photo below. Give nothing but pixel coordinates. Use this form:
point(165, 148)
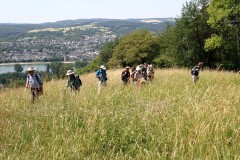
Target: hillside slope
point(171, 118)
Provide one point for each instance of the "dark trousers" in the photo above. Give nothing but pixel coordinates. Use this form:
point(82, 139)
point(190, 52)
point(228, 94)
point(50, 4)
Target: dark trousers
point(35, 92)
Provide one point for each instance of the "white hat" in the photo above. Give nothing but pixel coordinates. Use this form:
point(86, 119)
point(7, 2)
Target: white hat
point(31, 69)
point(150, 66)
point(138, 68)
point(69, 72)
point(102, 66)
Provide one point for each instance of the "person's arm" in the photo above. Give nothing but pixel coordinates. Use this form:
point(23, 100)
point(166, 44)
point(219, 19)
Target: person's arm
point(97, 74)
point(124, 73)
point(135, 76)
point(68, 83)
point(27, 82)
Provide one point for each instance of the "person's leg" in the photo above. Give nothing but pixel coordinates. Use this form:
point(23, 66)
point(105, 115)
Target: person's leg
point(195, 78)
point(73, 89)
point(124, 82)
point(99, 86)
point(34, 94)
point(105, 83)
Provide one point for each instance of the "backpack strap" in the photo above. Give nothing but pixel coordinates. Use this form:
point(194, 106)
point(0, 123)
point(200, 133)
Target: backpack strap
point(38, 80)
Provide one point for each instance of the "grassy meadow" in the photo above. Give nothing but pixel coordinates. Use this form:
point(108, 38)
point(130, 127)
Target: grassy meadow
point(171, 118)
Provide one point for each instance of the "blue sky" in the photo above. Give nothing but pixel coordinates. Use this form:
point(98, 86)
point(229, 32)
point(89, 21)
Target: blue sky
point(38, 11)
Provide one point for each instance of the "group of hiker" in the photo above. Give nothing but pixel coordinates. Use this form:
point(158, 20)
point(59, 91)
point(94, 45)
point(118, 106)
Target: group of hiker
point(141, 74)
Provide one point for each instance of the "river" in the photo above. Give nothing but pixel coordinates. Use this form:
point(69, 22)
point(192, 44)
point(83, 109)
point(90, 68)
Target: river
point(9, 67)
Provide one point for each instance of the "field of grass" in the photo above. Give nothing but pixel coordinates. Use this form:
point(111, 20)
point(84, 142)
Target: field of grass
point(171, 118)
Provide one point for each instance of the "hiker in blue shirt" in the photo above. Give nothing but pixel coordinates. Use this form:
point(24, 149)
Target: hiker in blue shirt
point(101, 74)
point(35, 83)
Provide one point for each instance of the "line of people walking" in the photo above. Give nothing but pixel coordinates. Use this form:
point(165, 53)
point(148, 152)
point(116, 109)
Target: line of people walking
point(141, 74)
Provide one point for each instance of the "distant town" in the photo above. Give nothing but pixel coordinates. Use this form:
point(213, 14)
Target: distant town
point(67, 40)
point(44, 49)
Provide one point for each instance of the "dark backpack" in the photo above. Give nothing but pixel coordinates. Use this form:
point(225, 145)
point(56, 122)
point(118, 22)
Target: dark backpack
point(78, 81)
point(195, 71)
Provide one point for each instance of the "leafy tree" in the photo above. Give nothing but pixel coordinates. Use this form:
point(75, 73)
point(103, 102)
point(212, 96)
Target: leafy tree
point(93, 66)
point(107, 51)
point(135, 48)
point(183, 44)
point(80, 64)
point(59, 69)
point(18, 68)
point(225, 19)
point(168, 48)
point(192, 30)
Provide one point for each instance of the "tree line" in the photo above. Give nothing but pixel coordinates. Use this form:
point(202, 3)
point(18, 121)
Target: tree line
point(207, 31)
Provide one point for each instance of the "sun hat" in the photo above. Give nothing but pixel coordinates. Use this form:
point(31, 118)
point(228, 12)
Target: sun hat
point(69, 72)
point(102, 66)
point(127, 67)
point(31, 69)
point(138, 68)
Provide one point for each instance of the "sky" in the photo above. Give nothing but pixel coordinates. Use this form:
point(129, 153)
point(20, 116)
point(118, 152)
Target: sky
point(40, 11)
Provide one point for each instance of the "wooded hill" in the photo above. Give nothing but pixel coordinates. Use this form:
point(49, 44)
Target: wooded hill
point(118, 26)
point(208, 31)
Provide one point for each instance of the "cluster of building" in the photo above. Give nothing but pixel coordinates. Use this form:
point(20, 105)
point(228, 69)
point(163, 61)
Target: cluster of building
point(41, 49)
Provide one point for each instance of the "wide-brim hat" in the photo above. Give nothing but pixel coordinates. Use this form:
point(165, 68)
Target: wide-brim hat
point(138, 68)
point(31, 69)
point(102, 66)
point(69, 72)
point(127, 67)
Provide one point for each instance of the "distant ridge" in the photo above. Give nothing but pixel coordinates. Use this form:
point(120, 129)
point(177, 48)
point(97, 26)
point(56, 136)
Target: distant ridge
point(11, 29)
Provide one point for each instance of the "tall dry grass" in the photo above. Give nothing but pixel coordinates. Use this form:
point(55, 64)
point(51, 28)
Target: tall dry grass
point(171, 118)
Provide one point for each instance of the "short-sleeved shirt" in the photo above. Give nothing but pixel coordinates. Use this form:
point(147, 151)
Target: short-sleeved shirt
point(101, 74)
point(34, 80)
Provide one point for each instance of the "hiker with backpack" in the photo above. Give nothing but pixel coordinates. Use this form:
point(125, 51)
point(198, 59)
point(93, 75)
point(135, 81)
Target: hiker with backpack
point(101, 74)
point(195, 72)
point(138, 77)
point(125, 76)
point(34, 81)
point(74, 82)
point(144, 70)
point(150, 72)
